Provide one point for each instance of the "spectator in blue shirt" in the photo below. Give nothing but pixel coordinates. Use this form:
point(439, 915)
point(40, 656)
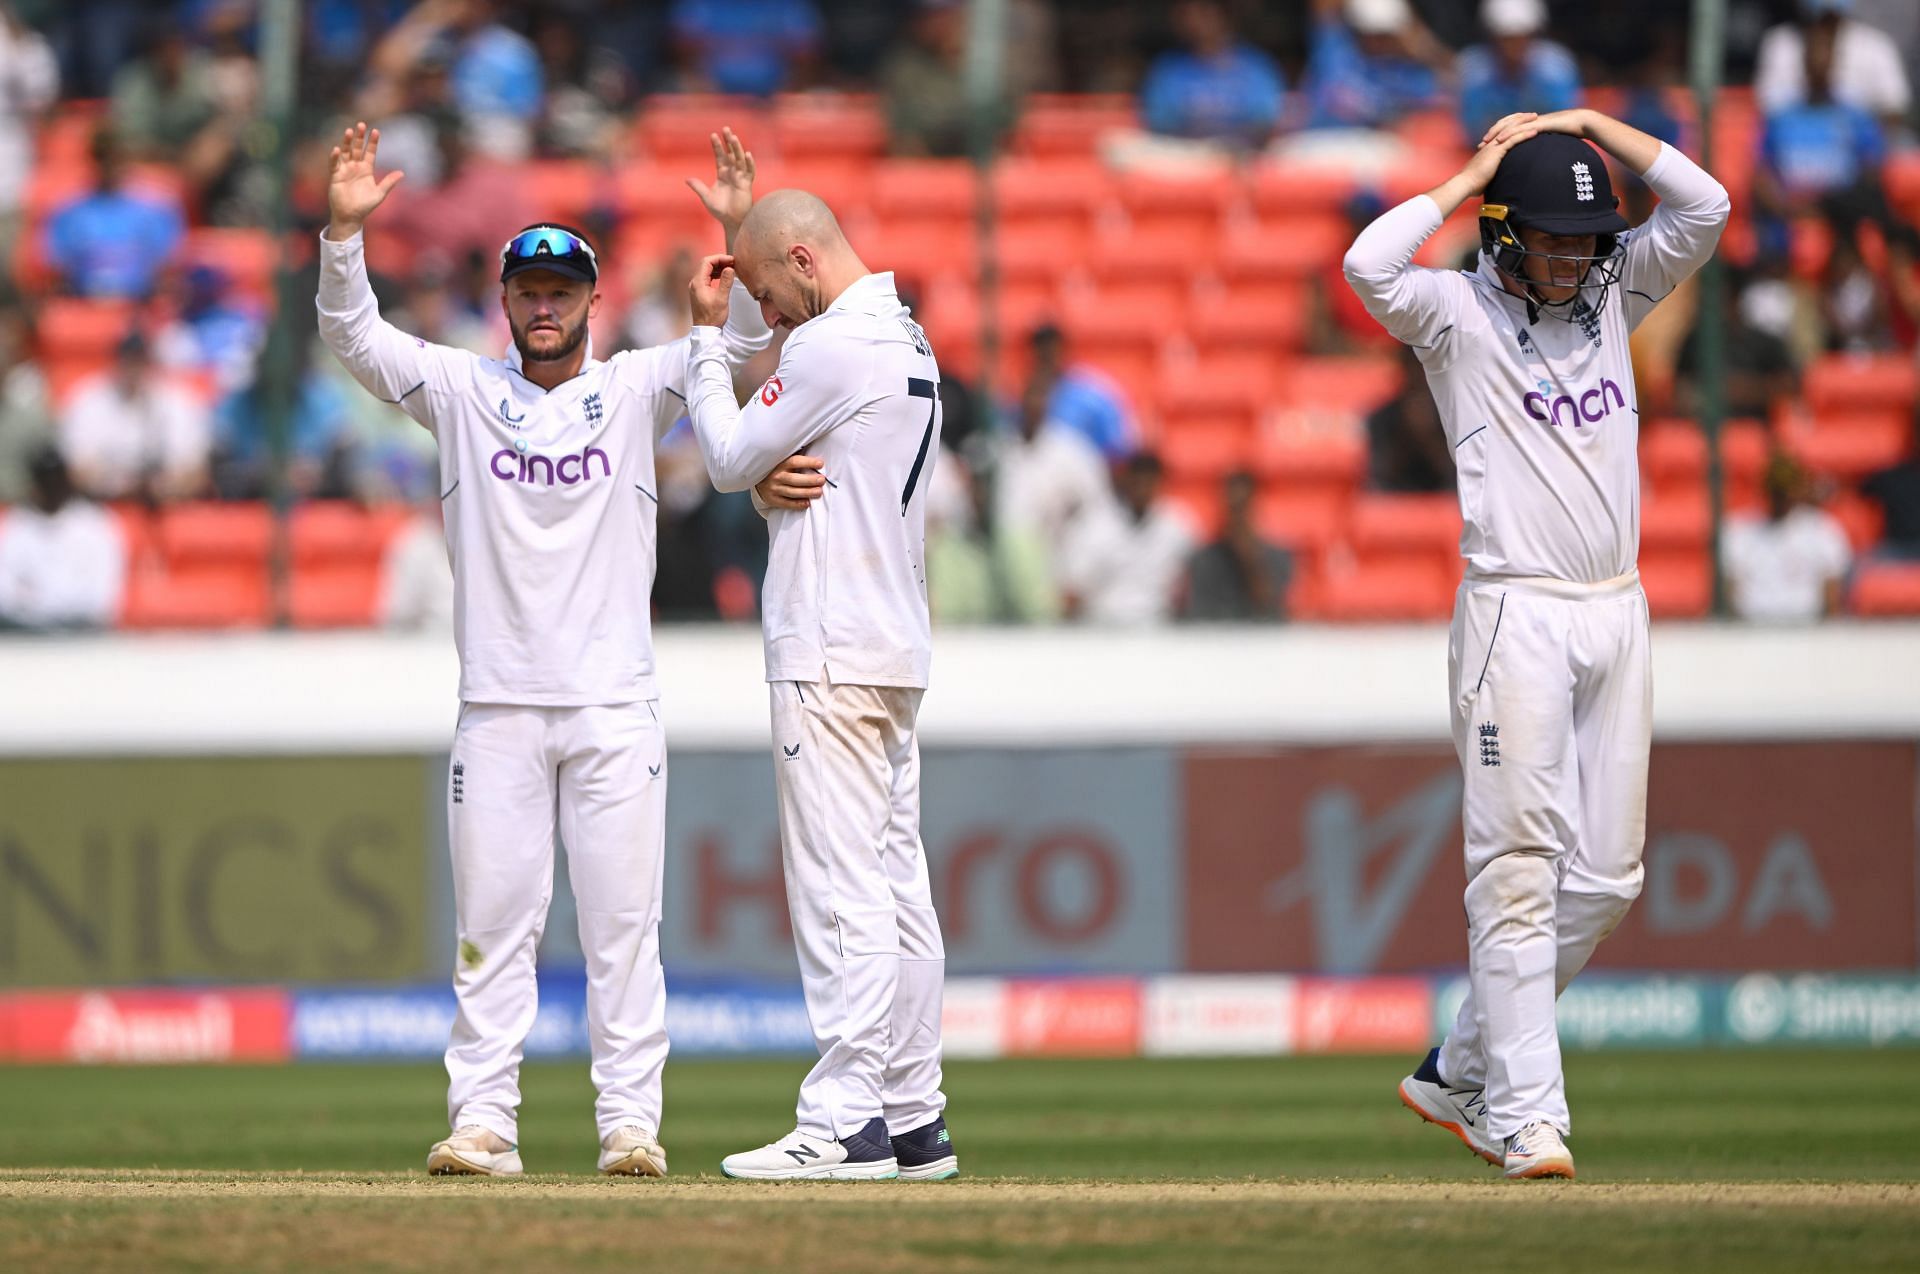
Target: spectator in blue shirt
point(751, 47)
point(1821, 155)
point(496, 71)
point(1216, 88)
point(320, 456)
point(1084, 399)
point(113, 242)
point(1368, 63)
point(1516, 70)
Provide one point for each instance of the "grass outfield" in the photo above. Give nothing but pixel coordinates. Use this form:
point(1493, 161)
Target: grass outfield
point(1698, 1161)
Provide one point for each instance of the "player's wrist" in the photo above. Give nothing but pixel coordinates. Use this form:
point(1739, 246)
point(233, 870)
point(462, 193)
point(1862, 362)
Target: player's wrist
point(342, 229)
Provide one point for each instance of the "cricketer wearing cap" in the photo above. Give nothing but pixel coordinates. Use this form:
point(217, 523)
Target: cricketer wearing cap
point(547, 483)
point(849, 648)
point(1528, 362)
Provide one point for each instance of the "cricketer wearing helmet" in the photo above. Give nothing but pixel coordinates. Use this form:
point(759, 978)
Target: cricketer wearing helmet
point(1549, 656)
point(549, 496)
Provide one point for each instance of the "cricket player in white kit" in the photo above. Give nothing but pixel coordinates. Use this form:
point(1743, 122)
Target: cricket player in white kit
point(548, 491)
point(1549, 660)
point(848, 647)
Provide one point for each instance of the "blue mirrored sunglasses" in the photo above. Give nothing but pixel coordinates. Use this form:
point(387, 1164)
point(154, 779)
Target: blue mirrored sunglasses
point(545, 242)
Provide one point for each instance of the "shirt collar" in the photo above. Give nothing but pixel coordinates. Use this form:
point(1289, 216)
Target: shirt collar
point(869, 294)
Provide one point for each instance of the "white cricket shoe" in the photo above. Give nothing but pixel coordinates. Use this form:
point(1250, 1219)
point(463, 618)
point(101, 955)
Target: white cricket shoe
point(631, 1151)
point(1538, 1150)
point(866, 1155)
point(473, 1151)
point(1461, 1111)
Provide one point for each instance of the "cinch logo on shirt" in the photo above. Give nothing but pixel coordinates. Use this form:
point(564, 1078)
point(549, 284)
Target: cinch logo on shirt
point(1591, 406)
point(545, 472)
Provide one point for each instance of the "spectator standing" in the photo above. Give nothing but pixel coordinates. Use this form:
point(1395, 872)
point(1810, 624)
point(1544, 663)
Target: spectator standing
point(1215, 87)
point(1758, 365)
point(1125, 564)
point(1820, 154)
point(1518, 69)
point(62, 562)
point(1406, 443)
point(1369, 62)
point(1242, 576)
point(130, 433)
point(112, 241)
point(1789, 565)
point(164, 99)
point(26, 423)
point(755, 48)
point(1083, 398)
point(320, 450)
point(1868, 72)
point(1047, 479)
point(29, 83)
point(923, 84)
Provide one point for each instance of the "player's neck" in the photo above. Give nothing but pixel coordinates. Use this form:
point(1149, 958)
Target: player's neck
point(836, 277)
point(549, 373)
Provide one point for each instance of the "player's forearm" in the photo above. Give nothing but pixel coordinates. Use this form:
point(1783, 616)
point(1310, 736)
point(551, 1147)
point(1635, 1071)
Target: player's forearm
point(379, 355)
point(733, 462)
point(1685, 188)
point(1635, 149)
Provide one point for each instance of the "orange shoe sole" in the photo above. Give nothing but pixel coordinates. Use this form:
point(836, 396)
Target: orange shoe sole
point(1496, 1160)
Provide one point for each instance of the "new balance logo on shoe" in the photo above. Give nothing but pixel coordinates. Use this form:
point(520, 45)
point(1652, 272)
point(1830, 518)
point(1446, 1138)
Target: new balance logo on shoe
point(802, 1153)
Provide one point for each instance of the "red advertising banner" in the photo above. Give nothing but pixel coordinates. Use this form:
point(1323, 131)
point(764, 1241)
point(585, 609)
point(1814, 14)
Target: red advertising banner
point(1362, 1015)
point(1759, 856)
point(1094, 1017)
point(145, 1026)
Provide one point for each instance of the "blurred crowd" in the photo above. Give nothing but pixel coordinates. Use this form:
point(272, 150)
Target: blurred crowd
point(1050, 501)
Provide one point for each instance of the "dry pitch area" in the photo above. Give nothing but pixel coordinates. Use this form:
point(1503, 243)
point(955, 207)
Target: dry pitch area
point(1697, 1162)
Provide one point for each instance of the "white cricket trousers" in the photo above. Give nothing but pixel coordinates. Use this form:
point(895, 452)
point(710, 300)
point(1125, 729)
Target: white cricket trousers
point(601, 772)
point(847, 770)
point(1552, 720)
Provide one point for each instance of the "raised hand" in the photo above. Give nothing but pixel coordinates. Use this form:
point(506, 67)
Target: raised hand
point(710, 290)
point(731, 194)
point(353, 191)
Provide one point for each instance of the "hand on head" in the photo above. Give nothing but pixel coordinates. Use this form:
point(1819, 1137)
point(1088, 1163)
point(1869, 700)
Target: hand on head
point(709, 290)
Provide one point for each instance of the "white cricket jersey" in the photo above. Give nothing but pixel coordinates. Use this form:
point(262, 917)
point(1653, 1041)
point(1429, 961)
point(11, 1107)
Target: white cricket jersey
point(549, 498)
point(1540, 410)
point(857, 386)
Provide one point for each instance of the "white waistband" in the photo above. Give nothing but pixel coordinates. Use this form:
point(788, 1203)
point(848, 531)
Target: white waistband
point(1618, 586)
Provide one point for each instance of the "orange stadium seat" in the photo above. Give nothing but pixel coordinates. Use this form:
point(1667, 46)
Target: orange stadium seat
point(1072, 123)
point(1063, 196)
point(571, 190)
point(1673, 454)
point(1384, 527)
point(1204, 448)
point(1272, 322)
point(1283, 192)
point(1683, 523)
point(676, 128)
point(334, 595)
point(1355, 384)
point(79, 330)
point(1306, 521)
point(1300, 249)
point(1886, 588)
point(1841, 382)
point(1195, 205)
point(1200, 500)
point(813, 125)
point(196, 533)
point(1385, 592)
point(333, 530)
point(1862, 518)
point(1679, 585)
point(1852, 445)
point(1744, 448)
point(200, 597)
point(923, 255)
point(935, 189)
